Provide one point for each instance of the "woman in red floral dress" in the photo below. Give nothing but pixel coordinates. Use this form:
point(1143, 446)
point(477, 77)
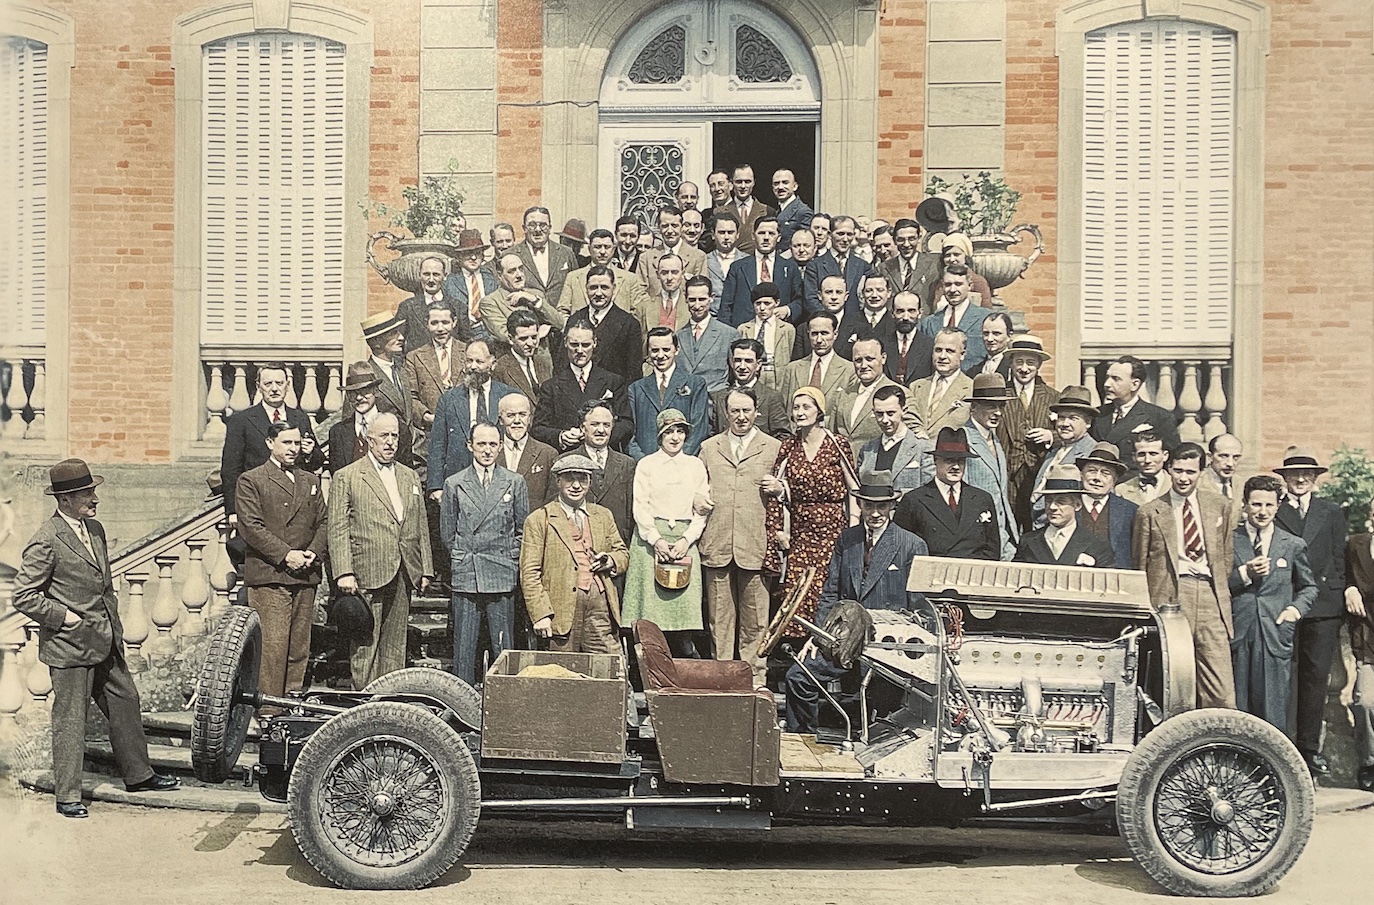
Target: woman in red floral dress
point(808, 500)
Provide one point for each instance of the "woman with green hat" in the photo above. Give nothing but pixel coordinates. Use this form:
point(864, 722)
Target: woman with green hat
point(671, 497)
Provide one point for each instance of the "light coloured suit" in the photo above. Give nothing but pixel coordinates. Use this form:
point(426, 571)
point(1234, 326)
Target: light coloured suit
point(649, 313)
point(912, 465)
point(1139, 494)
point(630, 293)
point(838, 378)
point(387, 554)
point(496, 309)
point(716, 272)
point(733, 546)
point(784, 341)
point(693, 265)
point(1057, 455)
point(988, 471)
point(863, 428)
point(927, 416)
point(1211, 481)
point(708, 357)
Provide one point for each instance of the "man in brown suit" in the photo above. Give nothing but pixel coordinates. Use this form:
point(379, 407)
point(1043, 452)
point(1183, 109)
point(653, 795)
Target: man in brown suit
point(569, 555)
point(734, 542)
point(282, 520)
point(64, 585)
point(746, 208)
point(379, 546)
point(429, 370)
point(1183, 543)
point(520, 452)
point(1025, 430)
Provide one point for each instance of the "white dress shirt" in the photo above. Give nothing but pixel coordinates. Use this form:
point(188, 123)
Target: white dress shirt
point(514, 450)
point(665, 487)
point(78, 526)
point(541, 262)
point(387, 473)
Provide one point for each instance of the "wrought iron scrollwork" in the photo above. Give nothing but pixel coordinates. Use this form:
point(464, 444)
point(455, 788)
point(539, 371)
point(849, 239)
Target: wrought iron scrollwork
point(649, 177)
point(664, 60)
point(757, 59)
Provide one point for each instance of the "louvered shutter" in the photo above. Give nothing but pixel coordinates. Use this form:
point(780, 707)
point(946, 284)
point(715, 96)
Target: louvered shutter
point(272, 200)
point(24, 163)
point(1158, 149)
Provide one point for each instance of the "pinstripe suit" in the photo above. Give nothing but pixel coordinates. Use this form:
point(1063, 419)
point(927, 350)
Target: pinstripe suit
point(988, 471)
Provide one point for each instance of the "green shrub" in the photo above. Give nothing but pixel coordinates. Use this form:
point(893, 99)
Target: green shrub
point(1350, 485)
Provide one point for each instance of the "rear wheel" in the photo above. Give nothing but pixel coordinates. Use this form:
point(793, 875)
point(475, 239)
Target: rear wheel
point(229, 676)
point(456, 695)
point(1215, 803)
point(384, 796)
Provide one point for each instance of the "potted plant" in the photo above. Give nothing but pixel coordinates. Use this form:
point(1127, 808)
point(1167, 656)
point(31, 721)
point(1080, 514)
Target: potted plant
point(983, 206)
point(433, 215)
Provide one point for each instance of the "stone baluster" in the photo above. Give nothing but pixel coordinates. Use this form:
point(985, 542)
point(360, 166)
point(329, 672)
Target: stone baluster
point(37, 428)
point(1145, 393)
point(333, 392)
point(1190, 400)
point(293, 399)
point(15, 422)
point(1165, 397)
point(216, 400)
point(135, 619)
point(310, 395)
point(1215, 402)
point(195, 591)
point(166, 608)
point(1090, 381)
point(221, 573)
point(37, 679)
point(11, 683)
point(239, 398)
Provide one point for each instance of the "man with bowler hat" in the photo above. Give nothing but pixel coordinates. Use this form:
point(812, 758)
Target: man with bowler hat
point(64, 585)
point(1063, 541)
point(954, 518)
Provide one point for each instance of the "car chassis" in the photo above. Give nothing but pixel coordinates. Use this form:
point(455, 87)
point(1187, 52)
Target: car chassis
point(1013, 691)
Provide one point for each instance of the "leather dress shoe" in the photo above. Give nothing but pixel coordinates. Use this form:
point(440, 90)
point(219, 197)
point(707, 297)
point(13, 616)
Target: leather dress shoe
point(155, 783)
point(1365, 779)
point(1317, 763)
point(72, 809)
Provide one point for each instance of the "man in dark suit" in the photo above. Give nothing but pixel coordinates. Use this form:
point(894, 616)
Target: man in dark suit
point(1025, 429)
point(997, 330)
point(385, 338)
point(547, 264)
point(245, 433)
point(475, 400)
point(470, 283)
point(1063, 542)
point(793, 213)
point(910, 353)
point(765, 265)
point(559, 421)
point(521, 453)
point(348, 436)
point(873, 320)
point(1124, 413)
point(668, 385)
point(1108, 517)
point(614, 472)
point(619, 342)
point(282, 520)
point(1322, 525)
point(955, 519)
point(64, 585)
point(870, 565)
point(527, 364)
point(1271, 589)
point(433, 293)
point(840, 260)
point(771, 410)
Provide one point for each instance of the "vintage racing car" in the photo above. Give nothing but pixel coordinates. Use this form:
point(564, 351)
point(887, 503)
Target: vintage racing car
point(1015, 690)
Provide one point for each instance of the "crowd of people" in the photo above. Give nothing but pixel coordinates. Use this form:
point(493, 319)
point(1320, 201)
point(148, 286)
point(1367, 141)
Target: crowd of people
point(678, 423)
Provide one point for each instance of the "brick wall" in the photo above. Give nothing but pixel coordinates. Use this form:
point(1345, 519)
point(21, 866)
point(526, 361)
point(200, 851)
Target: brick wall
point(394, 124)
point(520, 133)
point(901, 107)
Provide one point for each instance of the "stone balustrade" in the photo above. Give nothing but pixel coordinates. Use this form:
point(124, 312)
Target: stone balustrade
point(173, 586)
point(1193, 383)
point(23, 394)
point(231, 376)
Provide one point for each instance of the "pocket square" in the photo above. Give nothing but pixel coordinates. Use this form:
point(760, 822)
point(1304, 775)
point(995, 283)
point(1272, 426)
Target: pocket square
point(1281, 563)
point(1085, 559)
point(892, 567)
point(536, 469)
point(313, 489)
point(607, 395)
point(414, 491)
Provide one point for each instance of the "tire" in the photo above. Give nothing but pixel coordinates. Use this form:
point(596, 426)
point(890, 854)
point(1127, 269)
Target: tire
point(1206, 781)
point(384, 796)
point(219, 725)
point(453, 692)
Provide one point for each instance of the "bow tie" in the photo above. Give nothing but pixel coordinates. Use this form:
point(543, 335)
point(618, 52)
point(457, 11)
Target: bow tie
point(1149, 480)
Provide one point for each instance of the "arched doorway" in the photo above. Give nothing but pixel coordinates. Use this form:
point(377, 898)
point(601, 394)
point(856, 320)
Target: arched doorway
point(703, 84)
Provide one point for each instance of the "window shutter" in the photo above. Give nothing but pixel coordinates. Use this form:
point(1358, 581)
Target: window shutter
point(1158, 147)
point(273, 191)
point(24, 161)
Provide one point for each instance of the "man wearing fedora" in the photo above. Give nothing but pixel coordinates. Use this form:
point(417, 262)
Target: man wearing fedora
point(570, 555)
point(1125, 413)
point(1063, 541)
point(986, 469)
point(245, 433)
point(348, 435)
point(573, 237)
point(1073, 413)
point(64, 585)
point(1025, 430)
point(897, 450)
point(952, 517)
point(385, 338)
point(628, 292)
point(1182, 541)
point(1322, 525)
point(471, 282)
point(546, 264)
point(1107, 516)
point(433, 294)
point(870, 565)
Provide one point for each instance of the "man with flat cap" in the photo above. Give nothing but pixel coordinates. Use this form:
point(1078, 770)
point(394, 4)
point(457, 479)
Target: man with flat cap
point(1105, 515)
point(1063, 541)
point(955, 519)
point(64, 585)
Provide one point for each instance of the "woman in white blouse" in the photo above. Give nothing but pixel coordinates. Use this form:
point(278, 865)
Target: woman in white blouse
point(671, 497)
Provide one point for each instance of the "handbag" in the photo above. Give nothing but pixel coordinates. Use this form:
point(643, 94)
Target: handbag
point(673, 576)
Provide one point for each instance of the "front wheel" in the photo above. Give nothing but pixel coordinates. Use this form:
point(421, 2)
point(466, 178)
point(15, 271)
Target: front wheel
point(1215, 803)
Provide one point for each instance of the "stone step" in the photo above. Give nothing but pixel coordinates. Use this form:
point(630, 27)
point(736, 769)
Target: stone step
point(167, 759)
point(228, 798)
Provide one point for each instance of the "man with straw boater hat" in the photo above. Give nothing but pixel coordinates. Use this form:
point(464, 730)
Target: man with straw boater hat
point(64, 585)
point(385, 337)
point(1322, 525)
point(1064, 541)
point(952, 517)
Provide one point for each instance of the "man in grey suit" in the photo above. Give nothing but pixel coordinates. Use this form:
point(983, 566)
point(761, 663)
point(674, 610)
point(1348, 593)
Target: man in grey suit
point(705, 341)
point(547, 264)
point(898, 450)
point(64, 585)
point(987, 470)
point(1271, 589)
point(725, 237)
point(481, 522)
point(379, 546)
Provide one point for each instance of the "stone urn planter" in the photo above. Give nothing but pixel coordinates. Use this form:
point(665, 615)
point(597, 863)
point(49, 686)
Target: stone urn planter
point(996, 263)
point(403, 271)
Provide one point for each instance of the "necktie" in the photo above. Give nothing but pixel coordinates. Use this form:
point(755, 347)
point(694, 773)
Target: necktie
point(85, 536)
point(1192, 537)
point(529, 372)
point(903, 343)
point(486, 477)
point(697, 331)
point(952, 324)
point(276, 416)
point(953, 503)
point(1026, 396)
point(1259, 545)
point(662, 387)
point(868, 551)
point(906, 275)
point(765, 272)
point(581, 380)
point(1056, 542)
point(1096, 509)
point(474, 295)
point(1226, 488)
point(1116, 415)
point(816, 374)
point(1303, 508)
point(444, 366)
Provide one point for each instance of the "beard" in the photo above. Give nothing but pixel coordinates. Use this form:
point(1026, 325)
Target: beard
point(476, 379)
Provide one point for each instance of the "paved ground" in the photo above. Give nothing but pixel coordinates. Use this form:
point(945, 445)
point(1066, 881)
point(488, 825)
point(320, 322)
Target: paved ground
point(127, 854)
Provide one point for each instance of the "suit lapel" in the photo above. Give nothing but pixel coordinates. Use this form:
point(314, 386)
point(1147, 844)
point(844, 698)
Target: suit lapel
point(287, 486)
point(68, 536)
point(558, 522)
point(371, 479)
point(935, 501)
point(883, 553)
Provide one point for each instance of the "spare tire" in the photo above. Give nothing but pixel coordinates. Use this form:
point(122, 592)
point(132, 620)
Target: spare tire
point(228, 682)
point(1215, 803)
point(384, 796)
point(445, 687)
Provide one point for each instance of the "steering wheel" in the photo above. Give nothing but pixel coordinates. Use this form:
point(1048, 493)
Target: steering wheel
point(790, 604)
